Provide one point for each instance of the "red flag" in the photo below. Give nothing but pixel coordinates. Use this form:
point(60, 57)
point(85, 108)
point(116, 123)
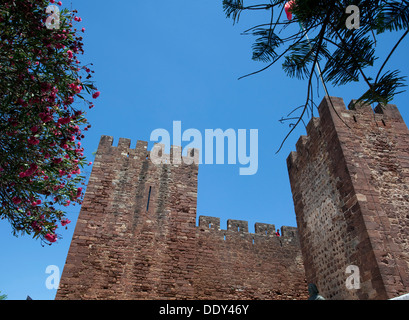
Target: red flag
point(288, 9)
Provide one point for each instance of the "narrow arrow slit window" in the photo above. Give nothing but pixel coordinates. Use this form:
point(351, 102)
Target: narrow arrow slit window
point(149, 198)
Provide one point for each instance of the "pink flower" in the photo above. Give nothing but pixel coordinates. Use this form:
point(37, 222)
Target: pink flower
point(96, 94)
point(51, 237)
point(75, 88)
point(45, 117)
point(34, 129)
point(33, 168)
point(59, 3)
point(16, 200)
point(14, 123)
point(64, 120)
point(36, 227)
point(57, 160)
point(70, 100)
point(288, 9)
point(70, 54)
point(33, 141)
point(64, 222)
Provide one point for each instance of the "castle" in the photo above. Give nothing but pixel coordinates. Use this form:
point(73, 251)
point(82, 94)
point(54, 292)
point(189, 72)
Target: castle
point(136, 235)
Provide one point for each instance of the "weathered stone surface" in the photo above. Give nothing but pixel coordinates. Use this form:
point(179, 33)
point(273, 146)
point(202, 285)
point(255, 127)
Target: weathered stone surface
point(136, 238)
point(236, 264)
point(349, 179)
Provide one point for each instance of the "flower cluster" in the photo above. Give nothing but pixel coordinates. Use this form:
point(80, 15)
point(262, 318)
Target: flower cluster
point(42, 119)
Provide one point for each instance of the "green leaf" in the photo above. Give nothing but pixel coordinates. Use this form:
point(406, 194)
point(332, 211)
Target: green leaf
point(344, 65)
point(394, 16)
point(265, 45)
point(233, 9)
point(385, 89)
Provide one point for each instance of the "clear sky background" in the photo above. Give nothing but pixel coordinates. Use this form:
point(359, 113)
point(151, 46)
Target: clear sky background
point(162, 61)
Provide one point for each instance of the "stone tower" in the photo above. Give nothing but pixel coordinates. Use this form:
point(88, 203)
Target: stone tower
point(350, 185)
point(137, 221)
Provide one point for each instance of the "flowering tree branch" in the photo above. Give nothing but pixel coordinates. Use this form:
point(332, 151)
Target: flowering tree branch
point(41, 124)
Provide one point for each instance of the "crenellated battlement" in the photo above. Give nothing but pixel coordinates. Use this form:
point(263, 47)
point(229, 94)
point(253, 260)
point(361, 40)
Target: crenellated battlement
point(356, 111)
point(157, 155)
point(333, 110)
point(239, 229)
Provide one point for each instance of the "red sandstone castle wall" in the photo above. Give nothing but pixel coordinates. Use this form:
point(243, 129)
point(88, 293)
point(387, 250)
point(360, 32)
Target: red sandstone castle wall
point(350, 179)
point(235, 264)
point(121, 249)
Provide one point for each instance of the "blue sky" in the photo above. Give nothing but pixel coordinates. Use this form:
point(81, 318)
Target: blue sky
point(162, 61)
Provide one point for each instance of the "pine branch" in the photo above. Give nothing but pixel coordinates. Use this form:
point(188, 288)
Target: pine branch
point(348, 50)
point(233, 9)
point(309, 86)
point(277, 58)
point(264, 47)
point(394, 16)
